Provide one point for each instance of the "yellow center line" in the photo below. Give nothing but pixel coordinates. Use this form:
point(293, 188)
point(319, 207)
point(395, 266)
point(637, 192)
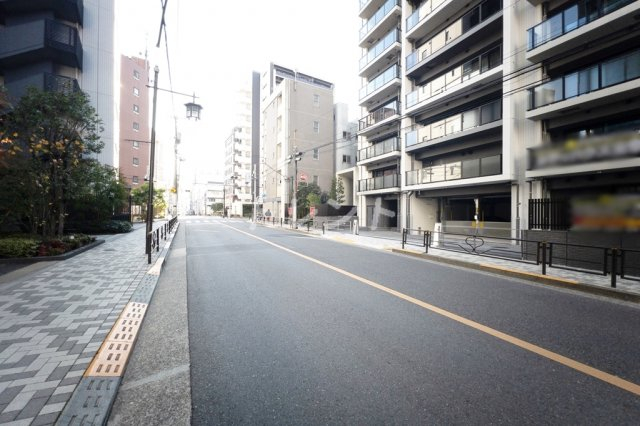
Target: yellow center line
point(568, 362)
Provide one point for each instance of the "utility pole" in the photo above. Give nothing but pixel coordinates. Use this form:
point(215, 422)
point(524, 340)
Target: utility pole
point(254, 181)
point(151, 162)
point(295, 157)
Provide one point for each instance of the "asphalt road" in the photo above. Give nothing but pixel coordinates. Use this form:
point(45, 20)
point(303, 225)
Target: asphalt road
point(290, 329)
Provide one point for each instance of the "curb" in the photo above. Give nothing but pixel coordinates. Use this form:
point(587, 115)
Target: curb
point(94, 396)
point(530, 276)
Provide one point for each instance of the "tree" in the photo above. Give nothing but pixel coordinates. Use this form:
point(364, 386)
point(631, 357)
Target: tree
point(97, 191)
point(52, 133)
point(337, 190)
point(304, 191)
point(140, 196)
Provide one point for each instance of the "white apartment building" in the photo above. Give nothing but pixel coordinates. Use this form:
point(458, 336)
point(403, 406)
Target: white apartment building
point(474, 113)
point(297, 116)
point(346, 149)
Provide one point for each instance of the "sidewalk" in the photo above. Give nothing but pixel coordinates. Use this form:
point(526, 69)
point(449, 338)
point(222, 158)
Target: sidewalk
point(53, 321)
point(392, 240)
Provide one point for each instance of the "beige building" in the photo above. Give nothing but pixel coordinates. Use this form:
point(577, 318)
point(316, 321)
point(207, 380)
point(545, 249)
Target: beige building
point(297, 116)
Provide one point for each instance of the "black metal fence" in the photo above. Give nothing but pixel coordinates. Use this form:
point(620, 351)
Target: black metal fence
point(161, 232)
point(618, 263)
point(551, 214)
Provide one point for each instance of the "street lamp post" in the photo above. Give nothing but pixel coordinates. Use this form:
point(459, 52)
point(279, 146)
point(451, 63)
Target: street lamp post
point(193, 111)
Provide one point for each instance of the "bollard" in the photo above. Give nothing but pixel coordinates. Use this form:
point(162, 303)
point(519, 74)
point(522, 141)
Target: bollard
point(308, 225)
point(614, 266)
point(158, 239)
point(427, 241)
point(324, 227)
point(149, 246)
point(544, 258)
point(404, 237)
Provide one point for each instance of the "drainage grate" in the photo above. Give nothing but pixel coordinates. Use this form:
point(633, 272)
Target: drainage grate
point(91, 402)
point(112, 357)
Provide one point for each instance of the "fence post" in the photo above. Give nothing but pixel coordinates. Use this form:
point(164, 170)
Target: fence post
point(614, 266)
point(550, 254)
point(544, 258)
point(149, 245)
point(158, 239)
point(427, 241)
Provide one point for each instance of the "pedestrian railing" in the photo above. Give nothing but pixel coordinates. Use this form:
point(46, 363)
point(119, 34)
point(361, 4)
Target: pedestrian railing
point(160, 233)
point(618, 263)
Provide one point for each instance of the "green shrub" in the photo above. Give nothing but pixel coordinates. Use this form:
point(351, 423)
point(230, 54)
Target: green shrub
point(116, 227)
point(18, 247)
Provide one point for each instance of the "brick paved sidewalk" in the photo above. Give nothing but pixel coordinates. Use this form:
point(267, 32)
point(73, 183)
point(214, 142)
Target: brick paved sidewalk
point(53, 321)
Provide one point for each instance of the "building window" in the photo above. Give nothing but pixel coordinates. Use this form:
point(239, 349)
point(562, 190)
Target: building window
point(136, 74)
point(136, 161)
point(134, 179)
point(136, 92)
point(316, 100)
point(136, 144)
point(315, 179)
point(316, 154)
point(136, 126)
point(136, 109)
point(316, 127)
point(346, 159)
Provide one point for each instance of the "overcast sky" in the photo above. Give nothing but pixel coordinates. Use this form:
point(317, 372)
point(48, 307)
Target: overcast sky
point(214, 46)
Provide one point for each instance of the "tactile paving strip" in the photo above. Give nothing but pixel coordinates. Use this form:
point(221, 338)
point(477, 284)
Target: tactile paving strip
point(112, 357)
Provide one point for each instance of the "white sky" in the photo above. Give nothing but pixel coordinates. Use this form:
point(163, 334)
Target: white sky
point(215, 45)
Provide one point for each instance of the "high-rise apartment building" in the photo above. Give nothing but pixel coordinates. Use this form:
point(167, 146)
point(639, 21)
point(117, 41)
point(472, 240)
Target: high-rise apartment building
point(63, 46)
point(475, 112)
point(297, 117)
point(134, 120)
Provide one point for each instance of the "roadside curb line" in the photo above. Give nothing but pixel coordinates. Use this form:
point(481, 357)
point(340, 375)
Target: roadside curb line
point(94, 396)
point(530, 276)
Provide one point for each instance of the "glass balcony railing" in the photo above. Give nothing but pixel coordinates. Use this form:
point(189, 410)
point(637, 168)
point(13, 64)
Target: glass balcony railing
point(381, 114)
point(379, 182)
point(614, 71)
point(422, 12)
point(476, 117)
point(377, 17)
point(60, 84)
point(380, 148)
point(476, 66)
point(381, 46)
point(390, 74)
point(469, 20)
point(571, 18)
point(466, 169)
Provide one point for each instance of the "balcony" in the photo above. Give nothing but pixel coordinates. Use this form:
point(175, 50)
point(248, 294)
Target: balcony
point(383, 54)
point(384, 19)
point(44, 81)
point(601, 84)
point(457, 170)
point(431, 14)
point(459, 125)
point(379, 183)
point(380, 150)
point(475, 73)
point(368, 7)
point(476, 24)
point(577, 22)
point(68, 10)
point(381, 87)
point(379, 116)
point(37, 41)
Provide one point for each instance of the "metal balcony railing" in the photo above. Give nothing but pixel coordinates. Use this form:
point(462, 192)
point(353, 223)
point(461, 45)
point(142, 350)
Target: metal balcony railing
point(466, 120)
point(465, 169)
point(379, 182)
point(379, 149)
point(379, 115)
point(614, 71)
point(571, 18)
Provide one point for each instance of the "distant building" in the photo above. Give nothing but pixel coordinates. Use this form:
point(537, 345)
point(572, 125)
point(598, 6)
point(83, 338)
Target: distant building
point(297, 116)
point(346, 151)
point(134, 121)
point(63, 46)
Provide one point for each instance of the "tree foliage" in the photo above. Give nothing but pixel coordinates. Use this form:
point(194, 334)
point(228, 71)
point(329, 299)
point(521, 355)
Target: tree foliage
point(309, 193)
point(44, 140)
point(336, 192)
point(140, 196)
